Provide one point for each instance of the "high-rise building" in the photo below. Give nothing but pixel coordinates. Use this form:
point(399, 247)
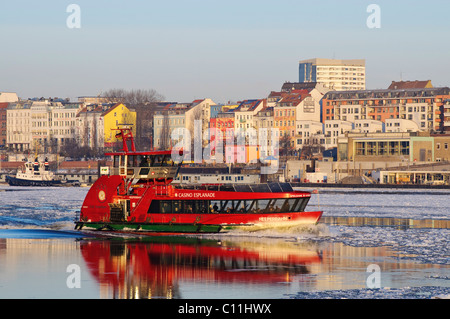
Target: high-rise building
point(334, 74)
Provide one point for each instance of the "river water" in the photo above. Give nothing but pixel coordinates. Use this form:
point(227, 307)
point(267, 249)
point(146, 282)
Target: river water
point(387, 243)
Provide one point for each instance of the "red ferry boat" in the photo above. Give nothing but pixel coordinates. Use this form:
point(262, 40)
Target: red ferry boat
point(137, 195)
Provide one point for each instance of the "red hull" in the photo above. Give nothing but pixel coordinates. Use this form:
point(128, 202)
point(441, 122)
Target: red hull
point(238, 219)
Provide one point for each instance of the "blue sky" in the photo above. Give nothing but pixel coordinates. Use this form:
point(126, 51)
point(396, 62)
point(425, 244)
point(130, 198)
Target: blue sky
point(224, 50)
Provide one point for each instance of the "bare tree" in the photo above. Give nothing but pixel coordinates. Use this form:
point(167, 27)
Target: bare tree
point(312, 147)
point(132, 98)
point(285, 145)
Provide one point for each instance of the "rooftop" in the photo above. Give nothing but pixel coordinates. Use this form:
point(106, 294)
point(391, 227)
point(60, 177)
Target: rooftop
point(319, 61)
point(410, 85)
point(387, 93)
point(289, 86)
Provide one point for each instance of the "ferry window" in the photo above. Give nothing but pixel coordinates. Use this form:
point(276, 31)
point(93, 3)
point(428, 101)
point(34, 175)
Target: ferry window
point(304, 203)
point(287, 205)
point(166, 207)
point(239, 206)
point(274, 206)
point(156, 161)
point(246, 205)
point(251, 206)
point(294, 204)
point(154, 207)
point(177, 206)
point(299, 205)
point(201, 206)
point(262, 205)
point(143, 161)
point(215, 204)
point(167, 161)
point(189, 207)
point(226, 206)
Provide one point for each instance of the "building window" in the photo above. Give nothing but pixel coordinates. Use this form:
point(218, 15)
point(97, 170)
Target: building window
point(360, 148)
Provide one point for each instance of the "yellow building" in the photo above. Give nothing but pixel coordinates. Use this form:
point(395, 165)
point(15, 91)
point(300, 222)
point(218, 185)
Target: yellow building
point(117, 116)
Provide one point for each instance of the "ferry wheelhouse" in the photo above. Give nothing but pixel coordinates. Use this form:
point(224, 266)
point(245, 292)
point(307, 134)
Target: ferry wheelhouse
point(136, 194)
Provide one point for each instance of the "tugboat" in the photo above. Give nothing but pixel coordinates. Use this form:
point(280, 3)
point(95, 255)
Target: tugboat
point(136, 194)
point(37, 174)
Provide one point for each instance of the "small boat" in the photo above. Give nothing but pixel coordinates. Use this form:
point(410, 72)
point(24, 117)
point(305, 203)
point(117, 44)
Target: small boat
point(37, 174)
point(136, 194)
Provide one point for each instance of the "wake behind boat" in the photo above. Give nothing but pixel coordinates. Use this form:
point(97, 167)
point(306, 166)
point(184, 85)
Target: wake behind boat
point(37, 174)
point(136, 194)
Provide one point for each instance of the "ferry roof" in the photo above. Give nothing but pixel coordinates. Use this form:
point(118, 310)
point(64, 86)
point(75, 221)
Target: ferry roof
point(142, 153)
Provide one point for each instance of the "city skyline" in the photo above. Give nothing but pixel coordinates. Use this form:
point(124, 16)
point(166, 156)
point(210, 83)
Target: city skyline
point(232, 51)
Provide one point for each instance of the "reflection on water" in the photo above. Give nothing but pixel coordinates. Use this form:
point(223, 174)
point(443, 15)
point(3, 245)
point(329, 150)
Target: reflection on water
point(401, 223)
point(190, 267)
point(153, 267)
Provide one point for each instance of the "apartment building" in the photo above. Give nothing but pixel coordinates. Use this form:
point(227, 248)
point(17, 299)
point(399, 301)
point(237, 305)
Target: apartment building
point(224, 122)
point(199, 110)
point(423, 106)
point(400, 125)
point(334, 74)
point(118, 115)
point(90, 125)
point(264, 124)
point(42, 125)
point(445, 116)
point(368, 126)
point(64, 123)
point(18, 133)
point(166, 120)
point(309, 133)
point(244, 113)
point(284, 117)
point(333, 129)
point(3, 123)
point(180, 115)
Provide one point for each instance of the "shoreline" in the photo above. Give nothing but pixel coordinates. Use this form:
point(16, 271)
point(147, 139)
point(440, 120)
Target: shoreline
point(404, 186)
point(337, 185)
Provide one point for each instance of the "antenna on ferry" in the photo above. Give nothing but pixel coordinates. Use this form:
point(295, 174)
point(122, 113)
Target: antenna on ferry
point(126, 134)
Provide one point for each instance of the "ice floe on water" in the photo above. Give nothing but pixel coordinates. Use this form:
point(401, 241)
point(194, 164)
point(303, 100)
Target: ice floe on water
point(40, 207)
point(423, 245)
point(417, 204)
point(425, 292)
